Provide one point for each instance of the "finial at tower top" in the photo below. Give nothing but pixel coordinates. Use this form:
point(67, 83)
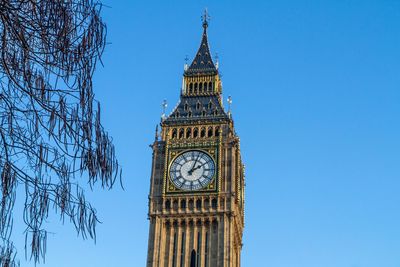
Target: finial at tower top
point(205, 18)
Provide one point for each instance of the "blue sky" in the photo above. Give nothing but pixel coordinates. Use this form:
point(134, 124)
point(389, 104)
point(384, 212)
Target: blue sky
point(316, 102)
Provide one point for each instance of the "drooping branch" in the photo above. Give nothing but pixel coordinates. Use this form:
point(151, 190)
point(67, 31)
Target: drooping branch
point(50, 129)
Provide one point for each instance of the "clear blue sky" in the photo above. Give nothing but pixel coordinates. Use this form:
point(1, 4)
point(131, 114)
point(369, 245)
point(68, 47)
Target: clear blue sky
point(316, 102)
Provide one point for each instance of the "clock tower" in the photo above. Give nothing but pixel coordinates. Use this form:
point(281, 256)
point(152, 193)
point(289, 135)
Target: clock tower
point(196, 200)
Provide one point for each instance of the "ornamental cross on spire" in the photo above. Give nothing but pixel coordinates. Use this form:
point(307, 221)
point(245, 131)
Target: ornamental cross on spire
point(205, 18)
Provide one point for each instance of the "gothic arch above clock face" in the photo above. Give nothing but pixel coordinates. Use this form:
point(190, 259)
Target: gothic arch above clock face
point(192, 170)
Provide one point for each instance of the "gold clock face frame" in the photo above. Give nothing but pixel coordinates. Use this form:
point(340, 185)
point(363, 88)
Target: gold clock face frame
point(181, 181)
point(192, 170)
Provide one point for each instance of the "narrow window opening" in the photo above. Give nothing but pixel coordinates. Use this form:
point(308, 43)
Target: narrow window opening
point(214, 203)
point(181, 133)
point(183, 204)
point(195, 88)
point(174, 133)
point(193, 258)
point(185, 107)
point(210, 86)
point(189, 133)
point(198, 204)
point(200, 88)
point(210, 132)
point(216, 131)
point(203, 132)
point(203, 113)
point(183, 250)
point(206, 204)
point(167, 205)
point(206, 251)
point(198, 249)
point(198, 105)
point(174, 249)
point(205, 87)
point(175, 205)
point(195, 133)
point(190, 88)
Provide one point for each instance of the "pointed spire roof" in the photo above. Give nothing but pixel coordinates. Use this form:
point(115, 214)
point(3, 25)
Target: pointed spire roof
point(203, 63)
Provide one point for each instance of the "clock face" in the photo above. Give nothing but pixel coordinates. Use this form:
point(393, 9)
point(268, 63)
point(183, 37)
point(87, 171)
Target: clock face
point(192, 170)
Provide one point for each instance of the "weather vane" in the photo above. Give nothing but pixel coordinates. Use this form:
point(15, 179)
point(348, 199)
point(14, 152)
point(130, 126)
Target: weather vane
point(205, 18)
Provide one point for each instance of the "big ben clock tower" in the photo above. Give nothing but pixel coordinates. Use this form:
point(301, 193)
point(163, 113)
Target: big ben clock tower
point(196, 200)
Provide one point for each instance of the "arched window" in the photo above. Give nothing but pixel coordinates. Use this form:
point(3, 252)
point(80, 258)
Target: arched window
point(191, 88)
point(203, 113)
point(200, 87)
point(198, 105)
point(195, 88)
point(195, 132)
point(216, 131)
point(174, 133)
point(210, 86)
point(193, 258)
point(210, 131)
point(188, 132)
point(189, 114)
point(181, 133)
point(177, 114)
point(167, 204)
point(185, 107)
point(205, 87)
point(210, 105)
point(203, 132)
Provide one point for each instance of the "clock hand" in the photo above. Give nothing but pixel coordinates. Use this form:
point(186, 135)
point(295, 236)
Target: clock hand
point(194, 164)
point(198, 167)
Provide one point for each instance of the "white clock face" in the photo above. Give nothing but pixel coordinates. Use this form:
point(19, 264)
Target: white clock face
point(192, 170)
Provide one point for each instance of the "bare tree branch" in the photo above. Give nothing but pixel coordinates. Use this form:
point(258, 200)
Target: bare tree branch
point(50, 128)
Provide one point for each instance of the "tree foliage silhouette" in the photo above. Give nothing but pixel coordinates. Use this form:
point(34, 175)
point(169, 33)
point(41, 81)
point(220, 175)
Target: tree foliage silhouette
point(50, 130)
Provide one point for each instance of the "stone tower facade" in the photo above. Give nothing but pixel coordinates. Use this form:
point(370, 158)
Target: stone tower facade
point(196, 200)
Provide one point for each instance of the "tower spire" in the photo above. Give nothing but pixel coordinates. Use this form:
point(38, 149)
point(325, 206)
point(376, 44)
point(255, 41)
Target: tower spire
point(202, 62)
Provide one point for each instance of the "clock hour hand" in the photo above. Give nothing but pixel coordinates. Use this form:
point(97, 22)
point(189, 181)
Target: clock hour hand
point(198, 167)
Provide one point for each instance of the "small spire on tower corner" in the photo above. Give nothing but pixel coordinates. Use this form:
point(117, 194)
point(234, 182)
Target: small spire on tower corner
point(164, 107)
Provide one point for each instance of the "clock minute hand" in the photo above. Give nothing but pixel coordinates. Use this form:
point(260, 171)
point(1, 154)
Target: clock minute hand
point(194, 164)
point(198, 167)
